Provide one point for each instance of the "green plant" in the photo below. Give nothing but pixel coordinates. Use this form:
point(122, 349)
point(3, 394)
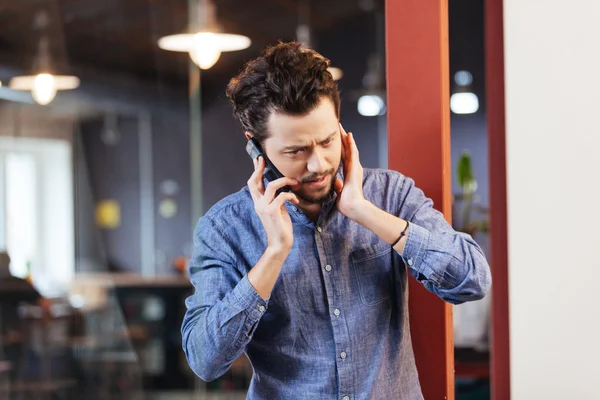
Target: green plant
point(465, 203)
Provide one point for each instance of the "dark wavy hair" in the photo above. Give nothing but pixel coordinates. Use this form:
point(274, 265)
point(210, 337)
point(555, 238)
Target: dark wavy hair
point(286, 78)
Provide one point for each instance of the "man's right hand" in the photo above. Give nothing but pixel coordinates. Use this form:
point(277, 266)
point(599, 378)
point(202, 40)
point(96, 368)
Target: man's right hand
point(271, 209)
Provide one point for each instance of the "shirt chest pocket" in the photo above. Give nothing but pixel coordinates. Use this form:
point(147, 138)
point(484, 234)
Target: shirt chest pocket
point(372, 269)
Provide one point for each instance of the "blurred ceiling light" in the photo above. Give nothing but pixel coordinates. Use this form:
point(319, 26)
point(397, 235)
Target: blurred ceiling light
point(336, 72)
point(303, 34)
point(464, 101)
point(206, 45)
point(44, 85)
point(371, 105)
point(463, 78)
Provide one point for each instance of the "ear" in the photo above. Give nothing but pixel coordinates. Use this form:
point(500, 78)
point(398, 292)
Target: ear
point(248, 135)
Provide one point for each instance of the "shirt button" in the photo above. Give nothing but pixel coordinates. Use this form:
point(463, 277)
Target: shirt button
point(261, 308)
point(410, 261)
point(336, 312)
point(319, 229)
point(328, 268)
point(343, 355)
point(346, 398)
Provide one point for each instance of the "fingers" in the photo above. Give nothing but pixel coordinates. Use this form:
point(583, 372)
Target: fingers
point(259, 166)
point(345, 137)
point(255, 183)
point(347, 153)
point(343, 131)
point(283, 197)
point(273, 186)
point(353, 157)
point(343, 140)
point(350, 154)
point(338, 185)
point(353, 145)
point(262, 196)
point(348, 145)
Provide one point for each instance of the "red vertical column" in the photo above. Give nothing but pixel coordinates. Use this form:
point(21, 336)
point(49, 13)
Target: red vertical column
point(494, 70)
point(418, 90)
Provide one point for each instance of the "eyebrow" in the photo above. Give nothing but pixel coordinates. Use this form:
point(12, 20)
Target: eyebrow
point(300, 147)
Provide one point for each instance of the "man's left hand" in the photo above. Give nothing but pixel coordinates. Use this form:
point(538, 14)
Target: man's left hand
point(351, 199)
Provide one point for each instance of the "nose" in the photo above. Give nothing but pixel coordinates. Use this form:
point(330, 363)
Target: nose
point(317, 163)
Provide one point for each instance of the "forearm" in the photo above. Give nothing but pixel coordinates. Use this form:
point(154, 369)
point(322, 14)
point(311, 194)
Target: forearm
point(448, 263)
point(387, 226)
point(264, 274)
point(226, 307)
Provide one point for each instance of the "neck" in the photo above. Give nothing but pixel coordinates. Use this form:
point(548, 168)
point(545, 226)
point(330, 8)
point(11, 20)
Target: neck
point(312, 210)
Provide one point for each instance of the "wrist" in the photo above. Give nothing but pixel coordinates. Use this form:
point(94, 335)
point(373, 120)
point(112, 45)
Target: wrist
point(277, 251)
point(362, 211)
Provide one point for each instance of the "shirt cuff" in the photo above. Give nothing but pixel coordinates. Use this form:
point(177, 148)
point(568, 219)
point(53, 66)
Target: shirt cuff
point(414, 252)
point(249, 300)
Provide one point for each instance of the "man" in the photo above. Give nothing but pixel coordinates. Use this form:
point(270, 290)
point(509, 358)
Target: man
point(312, 284)
point(13, 293)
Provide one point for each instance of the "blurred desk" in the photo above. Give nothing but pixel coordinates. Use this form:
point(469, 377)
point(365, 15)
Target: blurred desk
point(130, 279)
point(93, 288)
point(152, 310)
point(38, 386)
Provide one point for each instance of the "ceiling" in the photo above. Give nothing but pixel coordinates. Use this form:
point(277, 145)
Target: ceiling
point(101, 39)
point(121, 35)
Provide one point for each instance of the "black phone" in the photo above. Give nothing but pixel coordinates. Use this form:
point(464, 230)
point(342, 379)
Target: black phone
point(271, 172)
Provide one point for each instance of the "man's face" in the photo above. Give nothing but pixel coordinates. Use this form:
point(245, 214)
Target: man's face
point(307, 148)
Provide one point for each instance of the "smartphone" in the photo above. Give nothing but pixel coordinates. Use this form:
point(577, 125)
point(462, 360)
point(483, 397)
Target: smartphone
point(271, 172)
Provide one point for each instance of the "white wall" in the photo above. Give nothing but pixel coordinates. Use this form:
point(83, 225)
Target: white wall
point(552, 50)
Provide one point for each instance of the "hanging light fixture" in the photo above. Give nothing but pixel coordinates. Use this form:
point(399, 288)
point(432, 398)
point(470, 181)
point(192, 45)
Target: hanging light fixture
point(206, 45)
point(303, 34)
point(44, 85)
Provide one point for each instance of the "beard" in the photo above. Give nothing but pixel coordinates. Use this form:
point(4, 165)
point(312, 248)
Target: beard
point(316, 196)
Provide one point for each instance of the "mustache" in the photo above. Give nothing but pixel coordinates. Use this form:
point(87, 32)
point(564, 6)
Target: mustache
point(316, 177)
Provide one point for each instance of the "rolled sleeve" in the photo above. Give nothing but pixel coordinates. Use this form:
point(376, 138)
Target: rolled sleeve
point(251, 302)
point(247, 297)
point(414, 252)
point(450, 264)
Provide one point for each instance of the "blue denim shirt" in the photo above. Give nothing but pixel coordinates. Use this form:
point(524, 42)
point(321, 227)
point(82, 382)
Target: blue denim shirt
point(336, 324)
